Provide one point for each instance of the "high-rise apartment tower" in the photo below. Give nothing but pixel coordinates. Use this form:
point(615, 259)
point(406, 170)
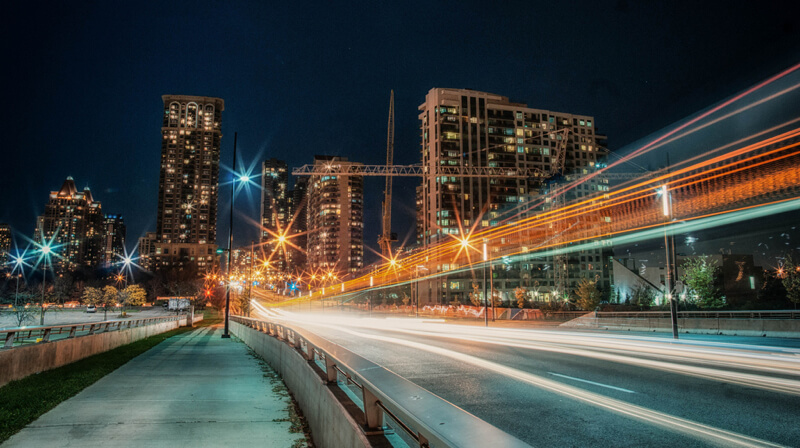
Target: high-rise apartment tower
point(186, 228)
point(335, 220)
point(113, 239)
point(275, 214)
point(468, 128)
point(72, 223)
point(5, 242)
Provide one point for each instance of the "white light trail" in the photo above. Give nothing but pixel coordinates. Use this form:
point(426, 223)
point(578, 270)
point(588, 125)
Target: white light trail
point(669, 422)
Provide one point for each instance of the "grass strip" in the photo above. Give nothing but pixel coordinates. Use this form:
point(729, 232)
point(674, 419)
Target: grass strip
point(23, 401)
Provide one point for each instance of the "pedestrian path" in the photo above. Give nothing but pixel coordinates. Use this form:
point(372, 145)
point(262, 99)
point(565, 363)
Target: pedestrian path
point(194, 389)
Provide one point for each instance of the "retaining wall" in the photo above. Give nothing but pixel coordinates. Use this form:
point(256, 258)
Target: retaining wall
point(332, 424)
point(20, 362)
point(776, 328)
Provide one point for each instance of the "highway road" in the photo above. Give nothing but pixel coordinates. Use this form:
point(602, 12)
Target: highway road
point(550, 387)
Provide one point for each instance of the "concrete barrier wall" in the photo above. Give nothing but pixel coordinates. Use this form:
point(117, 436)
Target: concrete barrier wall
point(785, 328)
point(332, 425)
point(20, 362)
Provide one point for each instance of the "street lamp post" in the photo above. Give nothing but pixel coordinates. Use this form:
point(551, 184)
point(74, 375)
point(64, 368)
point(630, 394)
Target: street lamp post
point(16, 293)
point(45, 254)
point(225, 333)
point(17, 265)
point(250, 279)
point(666, 207)
point(485, 302)
point(416, 287)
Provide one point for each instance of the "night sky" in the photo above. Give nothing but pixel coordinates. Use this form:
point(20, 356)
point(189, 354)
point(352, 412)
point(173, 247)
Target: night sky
point(83, 83)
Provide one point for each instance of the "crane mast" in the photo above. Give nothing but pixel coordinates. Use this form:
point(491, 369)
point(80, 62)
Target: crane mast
point(386, 238)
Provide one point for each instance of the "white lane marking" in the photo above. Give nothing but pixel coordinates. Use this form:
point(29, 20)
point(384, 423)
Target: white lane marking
point(671, 422)
point(592, 382)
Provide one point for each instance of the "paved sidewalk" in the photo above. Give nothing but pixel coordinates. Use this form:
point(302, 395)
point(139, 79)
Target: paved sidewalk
point(194, 389)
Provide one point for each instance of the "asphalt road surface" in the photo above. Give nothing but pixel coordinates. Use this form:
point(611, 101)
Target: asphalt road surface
point(550, 387)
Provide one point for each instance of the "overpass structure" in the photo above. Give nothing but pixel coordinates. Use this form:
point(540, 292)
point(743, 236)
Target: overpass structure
point(702, 192)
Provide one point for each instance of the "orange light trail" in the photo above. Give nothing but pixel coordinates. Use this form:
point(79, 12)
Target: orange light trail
point(728, 182)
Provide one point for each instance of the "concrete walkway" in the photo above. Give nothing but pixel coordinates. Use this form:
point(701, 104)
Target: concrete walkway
point(194, 389)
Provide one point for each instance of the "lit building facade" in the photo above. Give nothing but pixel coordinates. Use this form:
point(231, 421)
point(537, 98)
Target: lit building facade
point(113, 239)
point(335, 220)
point(467, 128)
point(5, 241)
point(298, 211)
point(72, 223)
point(275, 213)
point(191, 136)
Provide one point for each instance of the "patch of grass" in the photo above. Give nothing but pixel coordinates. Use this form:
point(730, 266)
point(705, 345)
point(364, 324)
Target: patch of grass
point(211, 313)
point(25, 400)
point(299, 424)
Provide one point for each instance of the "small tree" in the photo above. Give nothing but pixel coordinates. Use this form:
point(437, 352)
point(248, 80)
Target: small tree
point(62, 288)
point(110, 295)
point(45, 297)
point(133, 295)
point(614, 297)
point(643, 296)
point(23, 314)
point(520, 293)
point(92, 296)
point(791, 279)
point(588, 294)
point(475, 295)
point(242, 304)
point(496, 298)
point(700, 277)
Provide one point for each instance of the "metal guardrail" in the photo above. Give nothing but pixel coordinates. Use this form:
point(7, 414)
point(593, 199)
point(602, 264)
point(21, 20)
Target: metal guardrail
point(774, 315)
point(21, 335)
point(412, 408)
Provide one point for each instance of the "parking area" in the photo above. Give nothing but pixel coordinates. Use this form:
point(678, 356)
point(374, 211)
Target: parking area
point(63, 316)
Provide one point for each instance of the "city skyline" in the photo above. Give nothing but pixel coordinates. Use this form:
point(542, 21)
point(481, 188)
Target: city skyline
point(267, 100)
point(576, 223)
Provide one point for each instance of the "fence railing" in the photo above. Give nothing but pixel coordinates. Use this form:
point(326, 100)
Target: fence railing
point(777, 315)
point(23, 335)
point(425, 419)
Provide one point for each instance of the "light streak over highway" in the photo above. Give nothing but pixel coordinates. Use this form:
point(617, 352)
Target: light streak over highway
point(719, 375)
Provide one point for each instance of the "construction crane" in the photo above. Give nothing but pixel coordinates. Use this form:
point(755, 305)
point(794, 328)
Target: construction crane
point(348, 169)
point(389, 170)
point(387, 237)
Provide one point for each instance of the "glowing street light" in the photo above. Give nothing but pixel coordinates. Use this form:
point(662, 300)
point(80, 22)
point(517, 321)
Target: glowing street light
point(665, 202)
point(18, 263)
point(45, 249)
